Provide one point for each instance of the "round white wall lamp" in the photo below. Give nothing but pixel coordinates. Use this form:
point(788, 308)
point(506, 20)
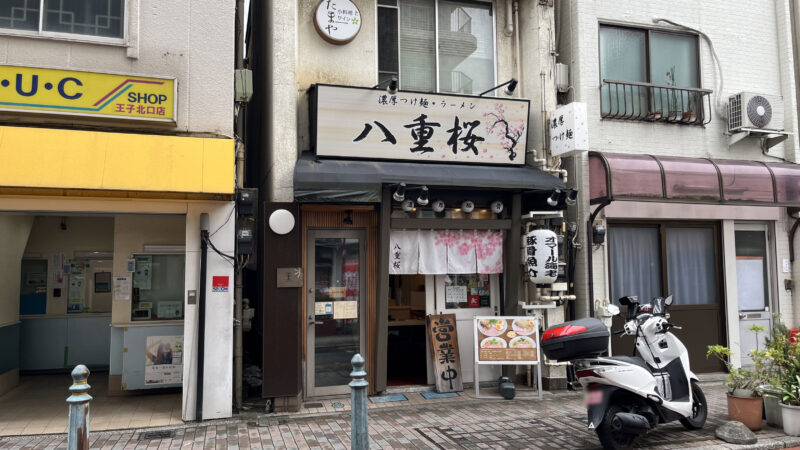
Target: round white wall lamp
point(467, 206)
point(408, 205)
point(438, 206)
point(497, 206)
point(281, 221)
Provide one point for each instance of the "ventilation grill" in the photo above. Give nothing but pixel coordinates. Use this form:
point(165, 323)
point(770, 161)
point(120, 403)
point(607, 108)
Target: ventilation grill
point(735, 112)
point(153, 435)
point(759, 111)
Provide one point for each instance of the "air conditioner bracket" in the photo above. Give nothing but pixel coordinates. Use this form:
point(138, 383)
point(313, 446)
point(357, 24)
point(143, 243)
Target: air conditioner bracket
point(768, 138)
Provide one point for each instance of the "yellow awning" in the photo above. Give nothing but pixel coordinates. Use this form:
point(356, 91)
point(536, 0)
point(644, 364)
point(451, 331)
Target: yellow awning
point(44, 158)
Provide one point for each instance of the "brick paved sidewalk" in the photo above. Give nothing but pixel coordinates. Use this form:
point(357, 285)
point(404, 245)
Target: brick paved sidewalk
point(558, 421)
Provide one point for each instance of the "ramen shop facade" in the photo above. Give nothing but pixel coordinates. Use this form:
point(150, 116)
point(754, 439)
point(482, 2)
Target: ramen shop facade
point(409, 204)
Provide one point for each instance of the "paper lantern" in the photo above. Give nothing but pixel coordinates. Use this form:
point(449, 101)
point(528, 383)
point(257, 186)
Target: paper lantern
point(541, 256)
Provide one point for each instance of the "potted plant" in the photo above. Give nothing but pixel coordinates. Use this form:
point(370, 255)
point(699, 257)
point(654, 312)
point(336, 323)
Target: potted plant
point(790, 405)
point(775, 363)
point(744, 396)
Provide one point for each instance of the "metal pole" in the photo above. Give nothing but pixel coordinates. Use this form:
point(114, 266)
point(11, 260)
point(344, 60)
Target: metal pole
point(78, 431)
point(201, 320)
point(359, 435)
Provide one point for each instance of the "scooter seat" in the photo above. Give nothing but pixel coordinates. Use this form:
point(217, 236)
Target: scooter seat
point(632, 360)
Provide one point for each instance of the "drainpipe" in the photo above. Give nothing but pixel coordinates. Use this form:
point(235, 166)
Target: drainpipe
point(201, 315)
point(509, 30)
point(516, 49)
point(238, 281)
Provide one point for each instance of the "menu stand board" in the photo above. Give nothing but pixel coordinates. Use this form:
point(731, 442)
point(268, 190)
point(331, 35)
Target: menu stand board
point(507, 341)
point(443, 338)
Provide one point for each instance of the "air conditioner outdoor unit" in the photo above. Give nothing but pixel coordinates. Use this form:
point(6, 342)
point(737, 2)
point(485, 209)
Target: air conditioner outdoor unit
point(747, 110)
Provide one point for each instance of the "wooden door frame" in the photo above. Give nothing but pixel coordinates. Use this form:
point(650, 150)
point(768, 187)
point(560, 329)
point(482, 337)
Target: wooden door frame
point(333, 217)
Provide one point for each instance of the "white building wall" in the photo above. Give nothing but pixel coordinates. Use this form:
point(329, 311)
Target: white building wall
point(753, 42)
point(191, 40)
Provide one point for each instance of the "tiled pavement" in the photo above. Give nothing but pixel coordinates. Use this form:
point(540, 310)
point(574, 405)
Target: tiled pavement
point(558, 421)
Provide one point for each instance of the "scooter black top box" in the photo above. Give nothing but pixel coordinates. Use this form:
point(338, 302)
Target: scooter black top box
point(582, 338)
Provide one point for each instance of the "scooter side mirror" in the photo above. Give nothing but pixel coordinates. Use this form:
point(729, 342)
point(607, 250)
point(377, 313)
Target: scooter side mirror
point(668, 301)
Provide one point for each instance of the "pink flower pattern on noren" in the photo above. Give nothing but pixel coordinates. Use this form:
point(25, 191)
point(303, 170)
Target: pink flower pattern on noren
point(488, 247)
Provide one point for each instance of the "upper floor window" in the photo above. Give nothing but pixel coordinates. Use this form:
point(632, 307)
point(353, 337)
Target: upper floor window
point(650, 74)
point(96, 18)
point(437, 45)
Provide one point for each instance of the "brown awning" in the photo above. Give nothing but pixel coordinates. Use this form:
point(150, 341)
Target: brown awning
point(615, 176)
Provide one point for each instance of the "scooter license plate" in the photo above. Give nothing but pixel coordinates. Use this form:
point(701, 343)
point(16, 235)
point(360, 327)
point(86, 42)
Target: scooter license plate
point(594, 398)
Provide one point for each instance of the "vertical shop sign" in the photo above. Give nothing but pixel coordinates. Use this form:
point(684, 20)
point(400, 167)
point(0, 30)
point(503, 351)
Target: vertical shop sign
point(569, 132)
point(541, 256)
point(443, 338)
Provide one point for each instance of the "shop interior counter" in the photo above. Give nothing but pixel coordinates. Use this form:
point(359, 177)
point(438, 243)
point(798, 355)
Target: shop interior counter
point(60, 342)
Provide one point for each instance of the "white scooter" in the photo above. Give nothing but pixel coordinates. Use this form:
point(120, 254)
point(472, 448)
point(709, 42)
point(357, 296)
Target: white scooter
point(628, 396)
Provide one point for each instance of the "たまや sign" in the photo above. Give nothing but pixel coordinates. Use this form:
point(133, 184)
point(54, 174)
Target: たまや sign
point(70, 92)
point(370, 123)
point(337, 21)
point(443, 339)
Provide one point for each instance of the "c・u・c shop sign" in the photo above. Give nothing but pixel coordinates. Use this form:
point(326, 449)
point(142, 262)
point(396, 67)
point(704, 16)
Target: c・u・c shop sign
point(70, 92)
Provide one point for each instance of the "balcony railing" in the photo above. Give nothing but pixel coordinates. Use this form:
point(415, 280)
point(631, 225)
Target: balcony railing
point(647, 102)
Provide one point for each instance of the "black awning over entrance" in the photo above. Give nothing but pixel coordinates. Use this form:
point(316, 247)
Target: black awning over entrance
point(359, 180)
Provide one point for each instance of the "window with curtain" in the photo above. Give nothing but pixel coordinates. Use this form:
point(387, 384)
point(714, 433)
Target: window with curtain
point(635, 262)
point(648, 56)
point(639, 255)
point(454, 54)
point(101, 18)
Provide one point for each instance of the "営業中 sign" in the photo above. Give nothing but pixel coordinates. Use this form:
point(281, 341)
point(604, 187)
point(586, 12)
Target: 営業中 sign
point(443, 338)
point(70, 92)
point(373, 124)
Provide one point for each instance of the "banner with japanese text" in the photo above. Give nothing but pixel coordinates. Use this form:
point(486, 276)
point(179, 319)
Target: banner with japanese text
point(443, 339)
point(368, 123)
point(70, 92)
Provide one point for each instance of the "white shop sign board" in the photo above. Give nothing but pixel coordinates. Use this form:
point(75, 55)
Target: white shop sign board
point(569, 130)
point(507, 337)
point(373, 124)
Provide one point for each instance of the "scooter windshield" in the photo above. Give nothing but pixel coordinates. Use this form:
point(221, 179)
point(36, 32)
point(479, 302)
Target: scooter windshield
point(659, 306)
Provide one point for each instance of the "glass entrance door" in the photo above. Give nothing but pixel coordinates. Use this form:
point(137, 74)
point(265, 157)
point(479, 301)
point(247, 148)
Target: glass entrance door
point(336, 281)
point(753, 286)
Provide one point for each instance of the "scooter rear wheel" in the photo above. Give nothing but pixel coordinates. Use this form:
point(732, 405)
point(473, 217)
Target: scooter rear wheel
point(611, 439)
point(699, 409)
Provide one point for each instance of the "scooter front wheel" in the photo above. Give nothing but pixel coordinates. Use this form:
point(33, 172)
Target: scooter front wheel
point(610, 438)
point(699, 409)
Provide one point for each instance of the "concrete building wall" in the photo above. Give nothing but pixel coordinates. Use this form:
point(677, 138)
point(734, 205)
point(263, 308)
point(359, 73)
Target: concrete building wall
point(191, 40)
point(299, 57)
point(753, 43)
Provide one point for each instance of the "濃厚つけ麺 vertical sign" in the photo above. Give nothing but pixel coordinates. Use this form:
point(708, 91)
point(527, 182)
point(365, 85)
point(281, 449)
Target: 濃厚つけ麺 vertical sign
point(443, 339)
point(70, 92)
point(371, 123)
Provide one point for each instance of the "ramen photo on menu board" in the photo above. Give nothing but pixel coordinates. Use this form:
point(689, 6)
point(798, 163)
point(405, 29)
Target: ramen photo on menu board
point(492, 327)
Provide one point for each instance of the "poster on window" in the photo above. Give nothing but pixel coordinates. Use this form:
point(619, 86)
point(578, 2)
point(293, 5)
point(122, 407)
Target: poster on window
point(371, 123)
point(163, 360)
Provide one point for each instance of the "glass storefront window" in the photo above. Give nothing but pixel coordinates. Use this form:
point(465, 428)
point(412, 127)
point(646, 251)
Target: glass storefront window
point(158, 287)
point(467, 291)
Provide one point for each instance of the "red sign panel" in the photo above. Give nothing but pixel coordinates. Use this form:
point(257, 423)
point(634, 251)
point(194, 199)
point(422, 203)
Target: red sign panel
point(219, 284)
